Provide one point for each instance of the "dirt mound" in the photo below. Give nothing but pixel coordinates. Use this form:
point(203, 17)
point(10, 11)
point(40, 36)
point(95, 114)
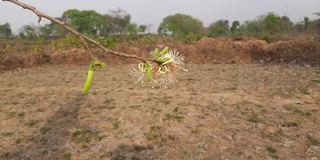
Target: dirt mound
point(210, 50)
point(29, 60)
point(301, 50)
point(70, 56)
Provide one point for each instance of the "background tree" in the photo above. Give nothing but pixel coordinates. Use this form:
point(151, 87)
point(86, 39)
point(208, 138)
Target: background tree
point(286, 25)
point(252, 28)
point(87, 21)
point(180, 25)
point(119, 22)
point(142, 28)
point(29, 32)
point(306, 21)
point(46, 31)
point(315, 24)
point(219, 28)
point(271, 23)
point(5, 31)
point(267, 25)
point(235, 26)
point(52, 31)
point(133, 29)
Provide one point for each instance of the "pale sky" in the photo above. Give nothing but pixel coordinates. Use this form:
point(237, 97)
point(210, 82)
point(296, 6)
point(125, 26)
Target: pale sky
point(153, 11)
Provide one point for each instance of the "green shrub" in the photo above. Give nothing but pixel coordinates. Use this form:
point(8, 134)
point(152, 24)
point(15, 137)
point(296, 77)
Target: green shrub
point(109, 42)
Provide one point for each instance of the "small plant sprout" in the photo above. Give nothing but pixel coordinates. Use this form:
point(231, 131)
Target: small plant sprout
point(95, 63)
point(162, 72)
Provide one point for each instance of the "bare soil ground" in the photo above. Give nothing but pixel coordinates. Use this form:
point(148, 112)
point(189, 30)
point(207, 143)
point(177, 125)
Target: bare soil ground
point(214, 112)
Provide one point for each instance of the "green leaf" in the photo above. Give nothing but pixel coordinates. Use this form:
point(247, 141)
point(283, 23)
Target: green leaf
point(164, 51)
point(92, 68)
point(88, 82)
point(149, 71)
point(99, 64)
point(162, 60)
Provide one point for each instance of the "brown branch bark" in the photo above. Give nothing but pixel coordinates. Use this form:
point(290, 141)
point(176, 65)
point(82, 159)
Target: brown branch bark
point(76, 33)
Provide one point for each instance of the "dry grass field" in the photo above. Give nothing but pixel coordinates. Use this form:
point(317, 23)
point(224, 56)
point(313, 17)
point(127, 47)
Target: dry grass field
point(226, 111)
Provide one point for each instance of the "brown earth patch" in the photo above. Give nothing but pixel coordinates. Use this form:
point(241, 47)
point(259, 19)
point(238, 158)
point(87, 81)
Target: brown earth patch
point(300, 51)
point(214, 112)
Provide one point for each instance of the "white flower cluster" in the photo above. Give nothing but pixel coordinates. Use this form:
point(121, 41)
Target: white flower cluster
point(160, 74)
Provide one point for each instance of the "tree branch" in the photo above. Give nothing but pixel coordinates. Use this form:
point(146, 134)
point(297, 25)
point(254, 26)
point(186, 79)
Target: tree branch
point(76, 33)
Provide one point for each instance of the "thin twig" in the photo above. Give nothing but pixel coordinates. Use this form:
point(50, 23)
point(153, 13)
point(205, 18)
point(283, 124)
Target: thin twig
point(76, 33)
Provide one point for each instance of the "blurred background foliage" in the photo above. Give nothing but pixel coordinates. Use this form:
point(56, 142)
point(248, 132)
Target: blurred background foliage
point(116, 26)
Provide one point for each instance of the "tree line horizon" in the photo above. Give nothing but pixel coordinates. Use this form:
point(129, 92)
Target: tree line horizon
point(183, 26)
